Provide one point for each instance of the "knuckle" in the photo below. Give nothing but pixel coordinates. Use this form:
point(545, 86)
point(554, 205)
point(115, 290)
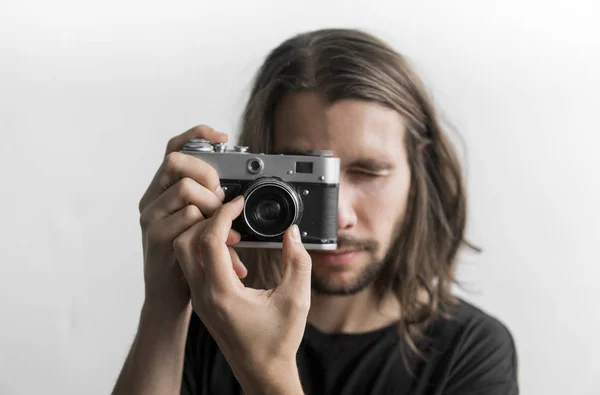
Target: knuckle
point(172, 161)
point(179, 243)
point(208, 240)
point(144, 219)
point(191, 213)
point(141, 205)
point(185, 187)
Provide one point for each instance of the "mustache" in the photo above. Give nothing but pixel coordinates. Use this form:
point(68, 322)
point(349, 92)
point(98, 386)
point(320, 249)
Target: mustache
point(351, 242)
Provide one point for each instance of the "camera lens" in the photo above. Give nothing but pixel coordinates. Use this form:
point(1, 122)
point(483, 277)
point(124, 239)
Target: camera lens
point(268, 211)
point(271, 206)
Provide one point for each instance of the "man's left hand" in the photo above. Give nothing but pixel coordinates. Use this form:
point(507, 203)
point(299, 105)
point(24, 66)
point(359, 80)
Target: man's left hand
point(258, 331)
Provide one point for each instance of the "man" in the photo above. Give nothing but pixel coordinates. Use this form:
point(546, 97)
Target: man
point(375, 316)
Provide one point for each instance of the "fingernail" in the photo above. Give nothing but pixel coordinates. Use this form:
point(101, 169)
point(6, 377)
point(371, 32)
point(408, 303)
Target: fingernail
point(296, 233)
point(220, 193)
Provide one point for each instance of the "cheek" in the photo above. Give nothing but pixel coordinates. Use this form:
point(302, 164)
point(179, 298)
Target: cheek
point(381, 207)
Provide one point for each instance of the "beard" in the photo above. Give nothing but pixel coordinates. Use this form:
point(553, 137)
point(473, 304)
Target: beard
point(365, 278)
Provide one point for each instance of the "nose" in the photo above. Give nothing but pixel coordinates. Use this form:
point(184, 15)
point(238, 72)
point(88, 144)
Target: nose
point(346, 214)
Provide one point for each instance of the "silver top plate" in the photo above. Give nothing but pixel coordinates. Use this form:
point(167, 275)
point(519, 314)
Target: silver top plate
point(240, 165)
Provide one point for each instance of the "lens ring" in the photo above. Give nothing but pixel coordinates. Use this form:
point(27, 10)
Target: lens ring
point(290, 193)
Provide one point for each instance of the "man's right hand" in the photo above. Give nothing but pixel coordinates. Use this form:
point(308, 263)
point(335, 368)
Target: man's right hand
point(184, 191)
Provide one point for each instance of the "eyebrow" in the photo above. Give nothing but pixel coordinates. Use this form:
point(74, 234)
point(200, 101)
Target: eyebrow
point(368, 164)
point(371, 165)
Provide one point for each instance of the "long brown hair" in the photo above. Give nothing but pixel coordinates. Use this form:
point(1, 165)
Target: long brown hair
point(346, 63)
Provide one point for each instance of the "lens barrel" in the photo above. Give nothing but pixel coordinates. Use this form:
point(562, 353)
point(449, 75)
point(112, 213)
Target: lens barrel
point(270, 207)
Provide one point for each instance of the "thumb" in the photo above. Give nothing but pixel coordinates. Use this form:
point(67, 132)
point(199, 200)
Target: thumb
point(298, 267)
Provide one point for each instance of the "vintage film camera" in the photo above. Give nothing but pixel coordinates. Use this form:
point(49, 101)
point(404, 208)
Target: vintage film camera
point(279, 190)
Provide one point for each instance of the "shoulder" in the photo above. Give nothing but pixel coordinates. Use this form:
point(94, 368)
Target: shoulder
point(478, 350)
point(475, 325)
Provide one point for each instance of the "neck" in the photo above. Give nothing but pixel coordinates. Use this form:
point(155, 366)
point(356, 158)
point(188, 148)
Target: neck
point(358, 313)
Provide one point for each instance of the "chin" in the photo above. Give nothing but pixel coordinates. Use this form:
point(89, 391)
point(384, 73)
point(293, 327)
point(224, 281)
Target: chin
point(334, 285)
point(344, 275)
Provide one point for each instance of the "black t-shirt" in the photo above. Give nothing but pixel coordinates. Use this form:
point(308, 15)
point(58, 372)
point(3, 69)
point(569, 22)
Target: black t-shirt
point(470, 353)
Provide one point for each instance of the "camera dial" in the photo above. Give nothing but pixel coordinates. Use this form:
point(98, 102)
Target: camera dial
point(220, 147)
point(198, 145)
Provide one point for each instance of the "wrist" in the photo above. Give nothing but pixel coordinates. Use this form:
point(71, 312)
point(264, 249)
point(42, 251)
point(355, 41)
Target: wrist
point(278, 378)
point(153, 311)
point(168, 301)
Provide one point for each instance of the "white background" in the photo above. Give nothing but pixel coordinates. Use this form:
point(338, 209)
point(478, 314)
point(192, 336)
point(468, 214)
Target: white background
point(91, 91)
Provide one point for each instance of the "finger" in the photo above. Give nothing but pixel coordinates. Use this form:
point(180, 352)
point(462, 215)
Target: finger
point(186, 243)
point(215, 254)
point(185, 248)
point(185, 192)
point(160, 182)
point(199, 131)
point(188, 253)
point(163, 232)
point(239, 268)
point(296, 281)
point(176, 167)
point(233, 237)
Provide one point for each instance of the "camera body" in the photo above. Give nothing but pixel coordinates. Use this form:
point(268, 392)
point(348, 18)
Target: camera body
point(279, 190)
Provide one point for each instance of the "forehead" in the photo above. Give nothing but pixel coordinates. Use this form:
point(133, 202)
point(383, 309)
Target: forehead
point(349, 128)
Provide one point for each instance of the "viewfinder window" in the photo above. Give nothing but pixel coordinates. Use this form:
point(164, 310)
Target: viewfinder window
point(304, 167)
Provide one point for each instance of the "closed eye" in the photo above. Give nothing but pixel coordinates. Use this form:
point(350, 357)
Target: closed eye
point(371, 166)
point(370, 174)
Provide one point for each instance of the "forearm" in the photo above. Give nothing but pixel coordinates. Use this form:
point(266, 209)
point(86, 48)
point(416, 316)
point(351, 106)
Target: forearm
point(155, 362)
